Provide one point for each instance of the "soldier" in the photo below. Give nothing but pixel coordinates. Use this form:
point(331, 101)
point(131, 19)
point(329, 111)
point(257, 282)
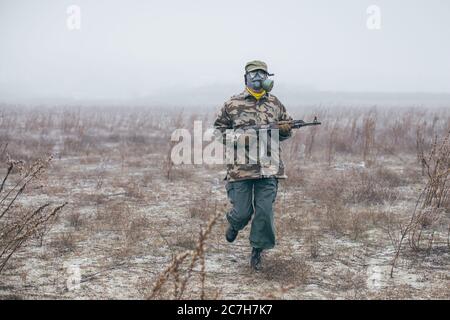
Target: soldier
point(250, 189)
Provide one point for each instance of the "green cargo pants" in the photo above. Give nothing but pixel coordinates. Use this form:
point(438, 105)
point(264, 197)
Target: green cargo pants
point(254, 196)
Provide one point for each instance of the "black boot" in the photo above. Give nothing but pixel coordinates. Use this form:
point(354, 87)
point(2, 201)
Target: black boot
point(255, 260)
point(231, 233)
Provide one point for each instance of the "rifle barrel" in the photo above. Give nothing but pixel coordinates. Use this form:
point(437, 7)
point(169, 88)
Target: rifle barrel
point(295, 124)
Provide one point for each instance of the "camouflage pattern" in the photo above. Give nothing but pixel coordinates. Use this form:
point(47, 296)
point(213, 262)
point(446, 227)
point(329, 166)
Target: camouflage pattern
point(243, 110)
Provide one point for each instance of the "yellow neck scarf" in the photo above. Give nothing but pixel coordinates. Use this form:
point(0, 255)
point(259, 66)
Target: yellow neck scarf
point(257, 95)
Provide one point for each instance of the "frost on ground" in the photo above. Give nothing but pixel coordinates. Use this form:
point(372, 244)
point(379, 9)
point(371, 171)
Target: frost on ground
point(130, 212)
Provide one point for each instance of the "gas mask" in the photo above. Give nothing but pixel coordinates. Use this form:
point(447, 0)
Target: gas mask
point(259, 80)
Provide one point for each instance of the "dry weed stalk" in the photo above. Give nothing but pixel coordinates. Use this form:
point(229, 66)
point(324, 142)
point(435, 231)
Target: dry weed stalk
point(432, 202)
point(311, 141)
point(332, 142)
point(196, 256)
point(420, 142)
point(369, 139)
point(168, 163)
point(20, 223)
point(436, 192)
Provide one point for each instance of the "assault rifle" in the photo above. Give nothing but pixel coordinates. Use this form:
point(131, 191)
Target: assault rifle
point(295, 124)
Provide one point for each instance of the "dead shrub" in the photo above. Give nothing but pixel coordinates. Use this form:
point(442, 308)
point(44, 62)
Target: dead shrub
point(203, 207)
point(64, 243)
point(21, 222)
point(336, 218)
point(135, 229)
point(313, 244)
point(74, 219)
point(185, 240)
point(113, 214)
point(296, 176)
point(327, 188)
point(354, 282)
point(181, 268)
point(389, 177)
point(429, 218)
point(290, 270)
point(367, 188)
point(134, 189)
point(369, 126)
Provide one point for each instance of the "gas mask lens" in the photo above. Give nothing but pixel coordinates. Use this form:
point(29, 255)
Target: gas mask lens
point(258, 75)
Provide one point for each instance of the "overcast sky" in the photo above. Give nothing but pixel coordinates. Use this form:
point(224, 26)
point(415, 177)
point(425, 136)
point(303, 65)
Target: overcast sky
point(134, 48)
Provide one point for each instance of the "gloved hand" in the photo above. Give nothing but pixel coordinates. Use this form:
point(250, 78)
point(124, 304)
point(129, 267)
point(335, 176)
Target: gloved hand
point(285, 129)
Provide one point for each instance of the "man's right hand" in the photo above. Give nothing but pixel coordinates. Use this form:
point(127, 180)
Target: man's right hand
point(285, 129)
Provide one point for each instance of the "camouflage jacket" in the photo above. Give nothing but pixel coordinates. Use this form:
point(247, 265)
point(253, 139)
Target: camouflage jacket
point(242, 110)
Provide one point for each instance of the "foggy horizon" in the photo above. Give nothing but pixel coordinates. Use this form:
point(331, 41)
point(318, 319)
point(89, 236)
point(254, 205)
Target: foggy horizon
point(152, 51)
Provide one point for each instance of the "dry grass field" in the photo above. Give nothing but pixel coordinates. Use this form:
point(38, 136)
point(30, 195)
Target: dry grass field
point(104, 214)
